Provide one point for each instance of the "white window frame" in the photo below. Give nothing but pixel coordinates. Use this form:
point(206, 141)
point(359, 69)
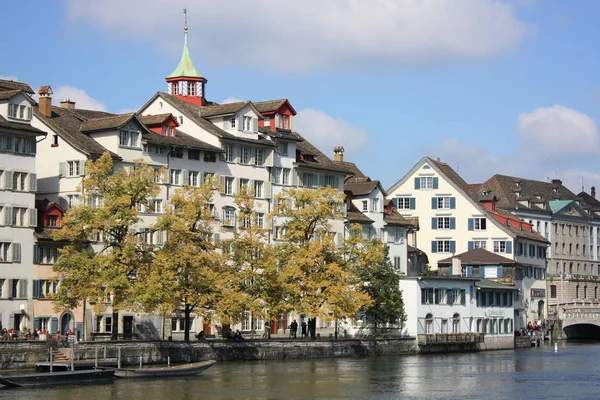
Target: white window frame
point(426, 182)
point(443, 223)
point(478, 222)
point(443, 203)
point(499, 246)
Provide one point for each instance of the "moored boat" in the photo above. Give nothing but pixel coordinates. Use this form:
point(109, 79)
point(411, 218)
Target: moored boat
point(159, 372)
point(57, 378)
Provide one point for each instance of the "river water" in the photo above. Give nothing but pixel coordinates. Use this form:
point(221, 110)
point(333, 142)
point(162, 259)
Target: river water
point(538, 373)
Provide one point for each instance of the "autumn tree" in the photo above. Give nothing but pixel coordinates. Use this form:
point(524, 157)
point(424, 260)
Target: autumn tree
point(316, 278)
point(369, 259)
point(107, 212)
point(189, 274)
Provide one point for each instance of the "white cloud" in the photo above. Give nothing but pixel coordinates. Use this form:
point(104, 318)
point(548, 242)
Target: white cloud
point(79, 96)
point(231, 100)
point(326, 132)
point(312, 34)
point(559, 131)
point(9, 78)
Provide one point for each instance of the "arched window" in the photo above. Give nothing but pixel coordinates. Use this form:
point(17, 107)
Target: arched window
point(577, 291)
point(570, 268)
point(456, 323)
point(585, 292)
point(553, 291)
point(428, 324)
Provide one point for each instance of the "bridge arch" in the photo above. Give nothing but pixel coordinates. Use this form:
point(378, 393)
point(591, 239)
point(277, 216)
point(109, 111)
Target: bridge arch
point(582, 331)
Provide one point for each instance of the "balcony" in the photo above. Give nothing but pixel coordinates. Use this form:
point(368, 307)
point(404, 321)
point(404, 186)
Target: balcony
point(451, 338)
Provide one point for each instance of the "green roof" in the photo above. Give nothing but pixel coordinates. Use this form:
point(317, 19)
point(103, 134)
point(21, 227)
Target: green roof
point(185, 68)
point(557, 205)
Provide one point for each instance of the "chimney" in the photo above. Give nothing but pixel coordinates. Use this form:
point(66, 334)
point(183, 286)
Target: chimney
point(557, 181)
point(338, 154)
point(45, 101)
point(594, 192)
point(68, 104)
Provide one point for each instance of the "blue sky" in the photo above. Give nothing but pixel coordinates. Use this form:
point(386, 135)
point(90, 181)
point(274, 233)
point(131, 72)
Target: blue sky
point(488, 86)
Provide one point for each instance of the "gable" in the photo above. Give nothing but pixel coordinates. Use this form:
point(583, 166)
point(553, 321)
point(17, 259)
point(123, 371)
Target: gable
point(568, 208)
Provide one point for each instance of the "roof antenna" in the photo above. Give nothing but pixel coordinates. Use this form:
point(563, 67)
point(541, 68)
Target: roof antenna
point(582, 189)
point(185, 17)
point(457, 165)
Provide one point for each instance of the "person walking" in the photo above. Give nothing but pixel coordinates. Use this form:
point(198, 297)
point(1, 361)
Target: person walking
point(303, 329)
point(294, 329)
point(267, 334)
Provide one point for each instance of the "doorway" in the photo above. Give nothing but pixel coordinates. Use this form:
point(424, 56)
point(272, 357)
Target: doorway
point(128, 327)
point(65, 323)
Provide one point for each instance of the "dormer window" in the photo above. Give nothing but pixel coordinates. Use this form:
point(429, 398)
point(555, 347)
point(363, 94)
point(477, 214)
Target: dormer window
point(19, 111)
point(283, 148)
point(267, 121)
point(232, 122)
point(286, 122)
point(249, 124)
point(129, 138)
point(191, 88)
point(164, 130)
point(171, 131)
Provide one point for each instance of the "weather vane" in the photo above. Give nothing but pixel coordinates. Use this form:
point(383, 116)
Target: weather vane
point(185, 16)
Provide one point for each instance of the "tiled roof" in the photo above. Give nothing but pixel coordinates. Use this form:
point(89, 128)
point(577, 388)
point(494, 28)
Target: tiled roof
point(17, 126)
point(8, 94)
point(269, 106)
point(414, 221)
point(321, 161)
point(193, 112)
point(489, 284)
point(155, 119)
point(479, 256)
point(396, 219)
point(517, 231)
point(358, 175)
point(357, 216)
point(11, 85)
point(361, 188)
point(67, 122)
point(222, 109)
point(589, 201)
point(281, 134)
point(181, 140)
point(504, 188)
point(106, 123)
point(451, 174)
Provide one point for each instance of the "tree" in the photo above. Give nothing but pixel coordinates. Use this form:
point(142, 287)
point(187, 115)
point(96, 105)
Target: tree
point(188, 273)
point(370, 261)
point(316, 277)
point(108, 211)
point(255, 260)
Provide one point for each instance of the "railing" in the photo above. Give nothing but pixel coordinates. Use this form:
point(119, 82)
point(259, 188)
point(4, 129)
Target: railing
point(449, 338)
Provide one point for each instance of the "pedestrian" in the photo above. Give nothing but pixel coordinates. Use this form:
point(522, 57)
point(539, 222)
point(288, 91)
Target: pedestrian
point(294, 328)
point(303, 329)
point(267, 334)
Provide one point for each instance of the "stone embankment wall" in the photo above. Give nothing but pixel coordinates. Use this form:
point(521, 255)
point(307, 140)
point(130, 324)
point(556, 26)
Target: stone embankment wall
point(26, 354)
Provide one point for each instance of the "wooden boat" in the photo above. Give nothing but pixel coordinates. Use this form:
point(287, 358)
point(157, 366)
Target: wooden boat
point(160, 372)
point(57, 378)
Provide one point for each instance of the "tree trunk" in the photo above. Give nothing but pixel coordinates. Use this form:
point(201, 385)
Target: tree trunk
point(312, 323)
point(186, 323)
point(114, 334)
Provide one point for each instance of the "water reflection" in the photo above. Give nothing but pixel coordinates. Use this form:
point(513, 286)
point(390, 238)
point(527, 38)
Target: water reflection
point(572, 372)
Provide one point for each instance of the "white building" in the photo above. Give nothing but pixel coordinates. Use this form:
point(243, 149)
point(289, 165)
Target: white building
point(18, 216)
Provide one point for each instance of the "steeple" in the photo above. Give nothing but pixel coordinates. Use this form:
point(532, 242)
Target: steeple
point(185, 81)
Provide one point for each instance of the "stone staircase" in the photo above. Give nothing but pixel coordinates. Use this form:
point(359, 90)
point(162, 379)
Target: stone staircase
point(60, 357)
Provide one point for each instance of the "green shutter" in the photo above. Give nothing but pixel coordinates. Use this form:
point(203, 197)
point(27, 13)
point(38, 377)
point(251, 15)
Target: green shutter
point(452, 203)
point(417, 183)
point(435, 182)
point(471, 224)
point(500, 271)
point(434, 246)
point(508, 247)
point(395, 200)
point(36, 254)
point(412, 202)
point(452, 246)
point(53, 325)
point(434, 222)
point(469, 271)
point(470, 245)
point(434, 203)
point(452, 223)
point(36, 289)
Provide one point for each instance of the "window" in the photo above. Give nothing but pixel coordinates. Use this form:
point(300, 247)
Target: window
point(477, 224)
point(228, 185)
point(443, 246)
point(283, 148)
point(193, 178)
point(178, 324)
point(194, 154)
point(531, 250)
point(365, 206)
point(443, 223)
point(267, 121)
point(427, 296)
point(259, 157)
point(285, 176)
point(479, 244)
point(177, 152)
point(175, 177)
point(260, 220)
point(277, 175)
point(247, 124)
point(45, 255)
point(18, 216)
point(443, 203)
point(19, 111)
point(405, 203)
point(286, 122)
point(397, 262)
point(244, 155)
point(107, 324)
point(129, 138)
point(157, 206)
point(456, 323)
point(229, 153)
point(19, 179)
point(309, 180)
point(244, 183)
point(228, 216)
point(5, 254)
point(374, 205)
point(73, 168)
point(426, 182)
point(501, 246)
point(258, 189)
point(154, 150)
point(52, 221)
point(232, 122)
point(72, 200)
point(210, 156)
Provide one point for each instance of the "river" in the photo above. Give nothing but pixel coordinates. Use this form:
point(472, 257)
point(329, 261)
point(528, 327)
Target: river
point(538, 373)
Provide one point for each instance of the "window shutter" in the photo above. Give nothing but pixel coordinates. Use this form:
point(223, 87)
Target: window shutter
point(7, 215)
point(294, 175)
point(8, 180)
point(159, 238)
point(32, 182)
point(226, 123)
point(434, 223)
point(417, 183)
point(267, 190)
point(469, 271)
point(81, 167)
point(452, 246)
point(36, 254)
point(470, 245)
point(23, 288)
point(434, 246)
point(508, 247)
point(36, 323)
point(500, 271)
point(33, 217)
point(277, 119)
point(29, 114)
point(471, 224)
point(62, 169)
point(254, 125)
point(452, 203)
point(452, 223)
point(482, 272)
point(269, 158)
point(395, 200)
point(11, 318)
point(54, 325)
point(437, 296)
point(435, 182)
point(463, 297)
point(36, 290)
point(235, 189)
point(222, 184)
point(185, 175)
point(240, 122)
point(63, 203)
point(201, 178)
point(434, 203)
point(412, 202)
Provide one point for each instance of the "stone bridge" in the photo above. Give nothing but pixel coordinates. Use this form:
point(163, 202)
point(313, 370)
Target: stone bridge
point(580, 320)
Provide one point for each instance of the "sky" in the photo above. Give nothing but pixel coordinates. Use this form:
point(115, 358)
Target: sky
point(488, 86)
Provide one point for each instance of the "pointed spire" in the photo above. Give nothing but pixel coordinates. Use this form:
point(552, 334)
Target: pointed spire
point(185, 68)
